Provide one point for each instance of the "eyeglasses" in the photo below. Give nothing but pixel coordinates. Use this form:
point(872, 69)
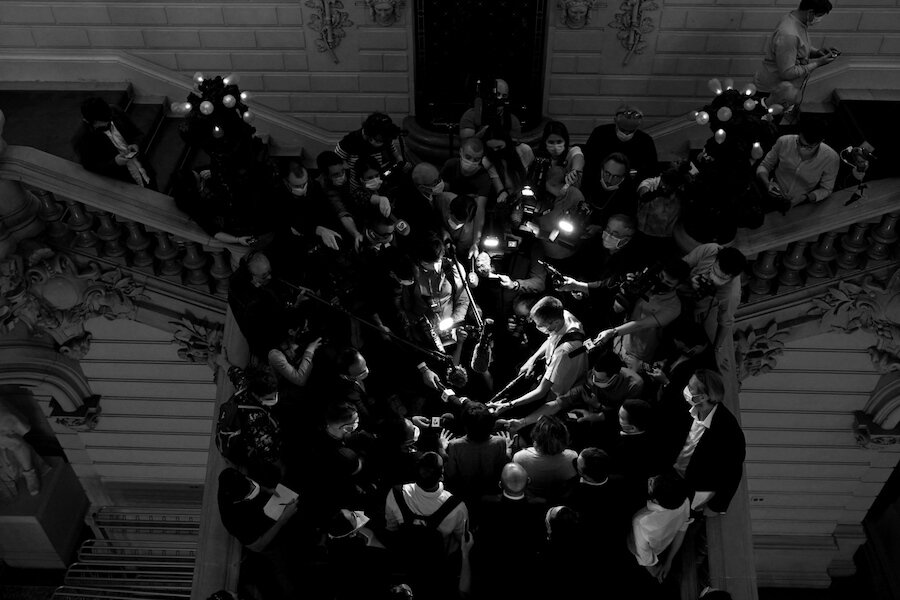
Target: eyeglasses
point(612, 176)
point(630, 114)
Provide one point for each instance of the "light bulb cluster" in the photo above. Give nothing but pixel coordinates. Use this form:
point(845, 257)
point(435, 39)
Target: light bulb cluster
point(207, 107)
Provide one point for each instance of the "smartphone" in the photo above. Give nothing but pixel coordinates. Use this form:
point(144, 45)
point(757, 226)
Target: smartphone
point(436, 422)
point(573, 415)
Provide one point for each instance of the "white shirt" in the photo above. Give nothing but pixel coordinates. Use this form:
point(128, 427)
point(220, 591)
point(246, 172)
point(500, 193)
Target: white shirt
point(563, 371)
point(698, 428)
point(653, 528)
point(424, 503)
point(116, 138)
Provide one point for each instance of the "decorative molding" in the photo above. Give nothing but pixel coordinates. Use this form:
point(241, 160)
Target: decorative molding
point(757, 351)
point(200, 342)
point(576, 14)
point(34, 364)
point(871, 306)
point(84, 418)
point(328, 20)
point(870, 436)
point(50, 294)
point(633, 24)
point(384, 13)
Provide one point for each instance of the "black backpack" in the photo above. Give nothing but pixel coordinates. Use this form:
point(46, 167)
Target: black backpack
point(419, 542)
point(246, 432)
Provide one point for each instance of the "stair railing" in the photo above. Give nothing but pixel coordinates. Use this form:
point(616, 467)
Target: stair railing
point(118, 221)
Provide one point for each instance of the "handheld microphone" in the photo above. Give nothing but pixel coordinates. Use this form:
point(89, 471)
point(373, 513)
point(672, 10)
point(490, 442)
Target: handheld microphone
point(586, 346)
point(483, 353)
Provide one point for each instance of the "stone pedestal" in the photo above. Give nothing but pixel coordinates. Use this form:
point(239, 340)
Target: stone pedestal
point(43, 531)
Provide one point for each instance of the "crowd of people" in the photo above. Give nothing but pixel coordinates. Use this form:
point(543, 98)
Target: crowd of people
point(498, 375)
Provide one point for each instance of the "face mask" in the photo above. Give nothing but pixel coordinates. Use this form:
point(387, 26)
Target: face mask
point(468, 166)
point(339, 181)
point(609, 187)
point(689, 397)
point(603, 384)
point(454, 224)
point(815, 21)
point(611, 242)
point(556, 149)
point(624, 136)
point(253, 494)
point(437, 189)
point(300, 191)
point(373, 184)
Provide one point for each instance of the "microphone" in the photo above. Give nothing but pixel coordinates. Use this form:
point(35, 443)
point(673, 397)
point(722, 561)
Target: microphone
point(482, 355)
point(586, 346)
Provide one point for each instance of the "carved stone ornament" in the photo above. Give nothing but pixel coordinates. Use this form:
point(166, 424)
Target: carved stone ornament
point(869, 435)
point(51, 295)
point(576, 14)
point(757, 351)
point(84, 418)
point(200, 343)
point(384, 13)
point(633, 24)
point(871, 306)
point(328, 20)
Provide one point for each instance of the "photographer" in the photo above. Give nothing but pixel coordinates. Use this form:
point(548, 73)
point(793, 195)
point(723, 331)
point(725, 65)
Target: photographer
point(656, 306)
point(491, 108)
point(378, 138)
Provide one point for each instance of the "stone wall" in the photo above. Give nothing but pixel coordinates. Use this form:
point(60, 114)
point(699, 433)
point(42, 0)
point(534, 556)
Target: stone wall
point(270, 43)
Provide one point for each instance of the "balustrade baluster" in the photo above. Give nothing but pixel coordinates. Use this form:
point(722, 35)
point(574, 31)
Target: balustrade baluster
point(793, 262)
point(822, 254)
point(764, 271)
point(51, 212)
point(139, 244)
point(853, 244)
point(195, 261)
point(220, 270)
point(884, 236)
point(167, 254)
point(81, 223)
point(110, 233)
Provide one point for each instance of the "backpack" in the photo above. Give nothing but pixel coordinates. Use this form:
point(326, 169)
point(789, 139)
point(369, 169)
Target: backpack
point(419, 542)
point(246, 432)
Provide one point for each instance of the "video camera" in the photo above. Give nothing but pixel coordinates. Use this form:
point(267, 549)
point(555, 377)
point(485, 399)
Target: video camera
point(637, 286)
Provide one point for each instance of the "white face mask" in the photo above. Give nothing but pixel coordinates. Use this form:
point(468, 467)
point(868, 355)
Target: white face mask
point(454, 224)
point(815, 21)
point(437, 189)
point(300, 191)
point(609, 187)
point(339, 181)
point(468, 166)
point(373, 184)
point(253, 494)
point(624, 136)
point(690, 398)
point(556, 149)
point(611, 242)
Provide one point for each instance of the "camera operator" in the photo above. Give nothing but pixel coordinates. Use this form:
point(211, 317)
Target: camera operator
point(656, 306)
point(491, 108)
point(714, 291)
point(379, 138)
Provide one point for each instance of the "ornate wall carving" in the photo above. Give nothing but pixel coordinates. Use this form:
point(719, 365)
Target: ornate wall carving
point(328, 19)
point(576, 14)
point(384, 13)
point(633, 23)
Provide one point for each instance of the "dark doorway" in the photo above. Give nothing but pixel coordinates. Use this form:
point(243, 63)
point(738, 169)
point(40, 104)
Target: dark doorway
point(460, 42)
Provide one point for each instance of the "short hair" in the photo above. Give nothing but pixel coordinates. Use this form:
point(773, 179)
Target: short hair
point(380, 125)
point(261, 380)
point(668, 490)
point(472, 144)
point(424, 173)
point(711, 384)
point(339, 412)
point(819, 7)
point(731, 261)
point(366, 163)
point(640, 413)
point(813, 128)
point(429, 248)
point(562, 523)
point(619, 158)
point(477, 421)
point(429, 470)
point(346, 358)
point(595, 464)
point(548, 308)
point(550, 436)
point(676, 267)
point(96, 109)
point(327, 159)
point(606, 361)
point(463, 207)
point(627, 221)
point(294, 167)
point(555, 128)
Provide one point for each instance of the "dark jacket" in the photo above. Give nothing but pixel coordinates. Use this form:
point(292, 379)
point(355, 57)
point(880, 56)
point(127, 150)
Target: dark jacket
point(717, 462)
point(96, 150)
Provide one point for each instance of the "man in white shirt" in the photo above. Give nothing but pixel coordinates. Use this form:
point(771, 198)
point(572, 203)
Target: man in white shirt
point(657, 530)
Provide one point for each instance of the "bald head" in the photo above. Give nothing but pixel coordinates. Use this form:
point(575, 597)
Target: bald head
point(260, 269)
point(513, 479)
point(424, 174)
point(474, 145)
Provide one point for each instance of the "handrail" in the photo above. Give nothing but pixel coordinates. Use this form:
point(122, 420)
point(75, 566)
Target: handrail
point(69, 180)
point(810, 220)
